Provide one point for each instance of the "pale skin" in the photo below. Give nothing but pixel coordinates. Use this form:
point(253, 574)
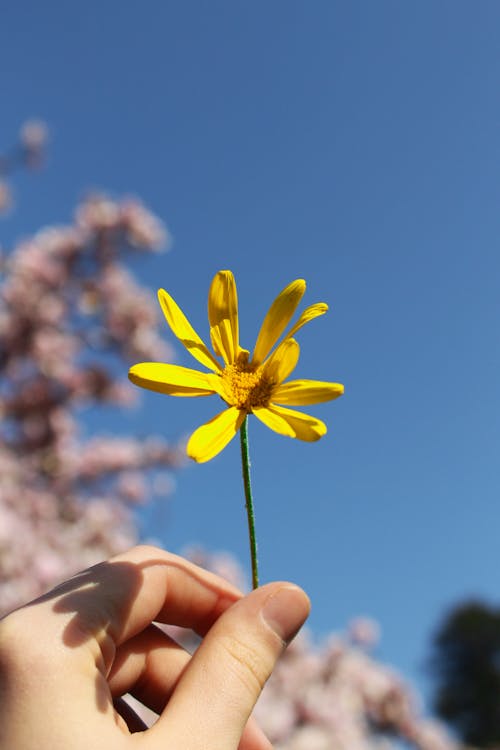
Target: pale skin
point(67, 658)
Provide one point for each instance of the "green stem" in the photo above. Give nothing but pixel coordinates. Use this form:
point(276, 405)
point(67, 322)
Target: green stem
point(245, 464)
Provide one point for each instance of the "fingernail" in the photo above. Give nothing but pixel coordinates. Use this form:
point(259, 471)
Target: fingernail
point(286, 611)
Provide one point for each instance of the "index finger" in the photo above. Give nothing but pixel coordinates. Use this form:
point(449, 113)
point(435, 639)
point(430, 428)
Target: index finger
point(113, 601)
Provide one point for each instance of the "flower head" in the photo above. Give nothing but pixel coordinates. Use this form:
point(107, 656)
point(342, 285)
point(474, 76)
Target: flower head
point(248, 385)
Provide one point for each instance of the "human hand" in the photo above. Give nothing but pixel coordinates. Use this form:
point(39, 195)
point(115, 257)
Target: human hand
point(68, 657)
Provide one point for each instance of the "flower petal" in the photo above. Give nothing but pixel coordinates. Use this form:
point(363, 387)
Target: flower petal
point(277, 319)
point(282, 361)
point(274, 421)
point(291, 423)
point(311, 312)
point(182, 328)
point(209, 439)
point(302, 392)
point(223, 316)
point(172, 379)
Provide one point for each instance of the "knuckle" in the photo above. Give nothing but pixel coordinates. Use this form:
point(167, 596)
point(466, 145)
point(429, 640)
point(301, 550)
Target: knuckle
point(146, 550)
point(23, 645)
point(248, 663)
point(16, 641)
point(13, 629)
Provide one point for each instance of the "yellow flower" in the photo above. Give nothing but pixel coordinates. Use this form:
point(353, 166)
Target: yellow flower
point(248, 386)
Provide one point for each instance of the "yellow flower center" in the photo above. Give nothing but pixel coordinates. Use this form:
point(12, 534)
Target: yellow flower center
point(244, 386)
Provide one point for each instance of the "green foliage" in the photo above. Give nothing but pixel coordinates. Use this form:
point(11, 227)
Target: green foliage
point(466, 667)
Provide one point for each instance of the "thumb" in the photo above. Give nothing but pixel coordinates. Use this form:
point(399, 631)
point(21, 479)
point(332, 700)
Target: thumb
point(217, 692)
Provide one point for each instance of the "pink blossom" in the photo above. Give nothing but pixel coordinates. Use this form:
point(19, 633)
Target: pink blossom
point(364, 631)
point(34, 135)
point(6, 199)
point(143, 228)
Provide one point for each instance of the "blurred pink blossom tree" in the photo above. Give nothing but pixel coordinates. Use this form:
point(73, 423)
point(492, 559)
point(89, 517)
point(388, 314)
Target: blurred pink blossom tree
point(71, 318)
point(28, 152)
point(334, 695)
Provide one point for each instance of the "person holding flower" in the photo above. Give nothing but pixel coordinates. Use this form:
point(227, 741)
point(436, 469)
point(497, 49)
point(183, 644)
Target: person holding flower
point(67, 658)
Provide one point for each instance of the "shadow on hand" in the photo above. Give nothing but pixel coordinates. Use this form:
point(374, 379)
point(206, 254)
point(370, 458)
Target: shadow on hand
point(100, 601)
point(100, 598)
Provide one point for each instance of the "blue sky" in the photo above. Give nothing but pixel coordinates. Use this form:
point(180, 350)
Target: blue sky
point(355, 145)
